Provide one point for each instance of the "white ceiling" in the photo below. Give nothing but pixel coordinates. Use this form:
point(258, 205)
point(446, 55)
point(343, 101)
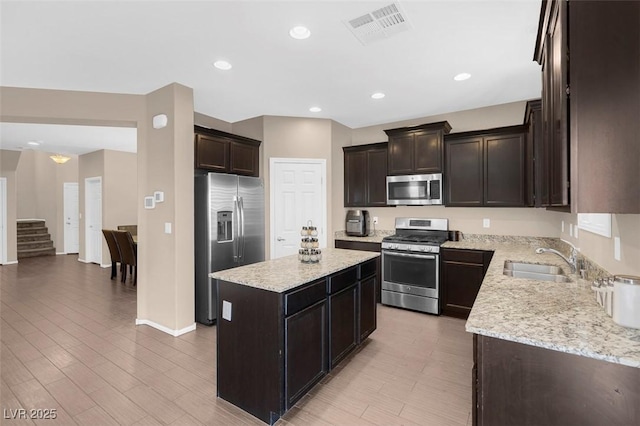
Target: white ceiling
point(139, 46)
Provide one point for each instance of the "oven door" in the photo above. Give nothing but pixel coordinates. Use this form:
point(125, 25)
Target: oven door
point(411, 273)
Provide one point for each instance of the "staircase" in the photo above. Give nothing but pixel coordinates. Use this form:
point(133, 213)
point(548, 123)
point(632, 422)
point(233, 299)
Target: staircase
point(34, 239)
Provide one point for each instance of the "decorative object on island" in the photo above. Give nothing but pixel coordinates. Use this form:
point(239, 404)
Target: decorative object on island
point(309, 253)
point(626, 300)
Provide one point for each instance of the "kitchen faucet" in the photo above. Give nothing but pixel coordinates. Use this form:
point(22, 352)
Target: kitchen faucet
point(572, 260)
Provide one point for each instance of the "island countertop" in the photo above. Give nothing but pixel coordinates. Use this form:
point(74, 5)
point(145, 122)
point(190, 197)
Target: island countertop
point(559, 316)
point(285, 273)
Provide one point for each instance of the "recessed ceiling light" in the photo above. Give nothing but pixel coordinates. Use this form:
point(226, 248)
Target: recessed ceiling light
point(222, 65)
point(315, 109)
point(299, 32)
point(378, 95)
point(462, 76)
point(33, 143)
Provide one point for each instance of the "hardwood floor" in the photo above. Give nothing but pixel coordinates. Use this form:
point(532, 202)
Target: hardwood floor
point(69, 343)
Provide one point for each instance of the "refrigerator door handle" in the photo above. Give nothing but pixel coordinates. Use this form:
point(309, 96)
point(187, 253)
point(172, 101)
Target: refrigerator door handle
point(241, 243)
point(236, 228)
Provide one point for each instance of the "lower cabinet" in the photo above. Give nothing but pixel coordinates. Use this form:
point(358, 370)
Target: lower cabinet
point(368, 306)
point(343, 320)
point(462, 272)
point(364, 246)
point(305, 350)
point(519, 384)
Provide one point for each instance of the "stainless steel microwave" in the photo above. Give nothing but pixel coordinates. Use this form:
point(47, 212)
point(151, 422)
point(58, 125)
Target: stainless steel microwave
point(414, 190)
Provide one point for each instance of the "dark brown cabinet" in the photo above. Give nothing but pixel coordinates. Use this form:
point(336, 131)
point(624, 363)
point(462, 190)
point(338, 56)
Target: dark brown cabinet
point(590, 57)
point(537, 188)
point(417, 149)
point(519, 384)
point(343, 323)
point(367, 292)
point(365, 175)
point(364, 246)
point(486, 168)
point(462, 272)
point(306, 350)
point(222, 152)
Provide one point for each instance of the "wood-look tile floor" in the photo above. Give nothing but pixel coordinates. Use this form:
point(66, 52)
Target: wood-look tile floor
point(69, 343)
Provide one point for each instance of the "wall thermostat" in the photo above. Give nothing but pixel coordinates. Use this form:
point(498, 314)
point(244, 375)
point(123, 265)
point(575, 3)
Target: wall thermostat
point(158, 196)
point(149, 203)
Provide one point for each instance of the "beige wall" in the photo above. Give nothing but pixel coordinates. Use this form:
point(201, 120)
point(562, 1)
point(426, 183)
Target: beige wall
point(461, 121)
point(91, 165)
point(166, 296)
point(340, 137)
point(40, 191)
point(119, 191)
point(160, 276)
point(291, 137)
point(8, 165)
point(600, 249)
point(211, 122)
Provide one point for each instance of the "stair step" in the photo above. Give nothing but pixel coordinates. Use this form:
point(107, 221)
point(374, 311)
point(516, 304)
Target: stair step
point(28, 245)
point(24, 224)
point(30, 231)
point(33, 237)
point(36, 252)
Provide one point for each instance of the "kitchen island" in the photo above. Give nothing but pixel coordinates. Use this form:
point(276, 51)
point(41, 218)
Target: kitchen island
point(546, 352)
point(284, 325)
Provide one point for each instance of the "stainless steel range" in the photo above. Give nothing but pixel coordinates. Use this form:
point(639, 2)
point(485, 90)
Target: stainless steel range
point(411, 264)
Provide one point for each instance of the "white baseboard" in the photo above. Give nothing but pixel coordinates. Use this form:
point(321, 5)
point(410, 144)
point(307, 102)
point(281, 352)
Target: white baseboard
point(174, 333)
point(108, 265)
point(58, 253)
point(13, 262)
point(82, 260)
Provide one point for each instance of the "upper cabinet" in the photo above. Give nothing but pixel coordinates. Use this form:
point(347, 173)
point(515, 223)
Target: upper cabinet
point(590, 58)
point(416, 150)
point(223, 152)
point(486, 168)
point(538, 176)
point(365, 175)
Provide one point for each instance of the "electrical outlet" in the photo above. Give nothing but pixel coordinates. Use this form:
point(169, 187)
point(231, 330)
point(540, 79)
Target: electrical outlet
point(575, 231)
point(571, 229)
point(562, 227)
point(486, 223)
point(375, 220)
point(616, 248)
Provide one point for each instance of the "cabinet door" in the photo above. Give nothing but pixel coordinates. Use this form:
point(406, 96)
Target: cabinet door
point(460, 285)
point(368, 298)
point(244, 159)
point(504, 170)
point(401, 153)
point(464, 172)
point(212, 153)
point(428, 152)
point(355, 179)
point(376, 178)
point(306, 350)
point(343, 323)
point(559, 141)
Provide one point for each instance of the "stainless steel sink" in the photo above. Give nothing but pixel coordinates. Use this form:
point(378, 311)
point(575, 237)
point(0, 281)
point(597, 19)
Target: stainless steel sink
point(535, 271)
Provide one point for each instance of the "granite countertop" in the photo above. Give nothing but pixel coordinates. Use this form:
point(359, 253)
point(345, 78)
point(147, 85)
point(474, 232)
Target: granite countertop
point(373, 237)
point(285, 273)
point(558, 316)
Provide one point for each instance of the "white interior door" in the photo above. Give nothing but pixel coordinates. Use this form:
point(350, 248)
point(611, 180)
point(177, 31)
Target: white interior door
point(71, 218)
point(298, 194)
point(3, 221)
point(93, 219)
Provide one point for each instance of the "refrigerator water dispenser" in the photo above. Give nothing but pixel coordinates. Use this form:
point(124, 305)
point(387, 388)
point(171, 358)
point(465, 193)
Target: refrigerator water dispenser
point(225, 226)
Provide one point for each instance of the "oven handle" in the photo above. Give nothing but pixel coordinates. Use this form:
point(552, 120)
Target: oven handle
point(417, 256)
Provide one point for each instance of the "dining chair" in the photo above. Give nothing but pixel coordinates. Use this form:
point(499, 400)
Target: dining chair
point(114, 251)
point(128, 252)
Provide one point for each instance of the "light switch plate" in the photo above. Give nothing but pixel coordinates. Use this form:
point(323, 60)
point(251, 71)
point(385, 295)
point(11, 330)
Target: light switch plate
point(616, 248)
point(226, 310)
point(167, 227)
point(562, 227)
point(486, 223)
point(575, 231)
point(571, 229)
point(159, 196)
point(149, 202)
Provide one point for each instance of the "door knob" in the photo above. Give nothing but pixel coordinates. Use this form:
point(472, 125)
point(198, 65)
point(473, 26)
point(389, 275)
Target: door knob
point(280, 239)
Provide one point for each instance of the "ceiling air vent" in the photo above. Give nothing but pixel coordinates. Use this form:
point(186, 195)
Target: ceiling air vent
point(379, 24)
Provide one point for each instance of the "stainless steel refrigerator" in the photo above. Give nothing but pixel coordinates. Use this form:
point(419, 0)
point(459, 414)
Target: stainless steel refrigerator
point(229, 232)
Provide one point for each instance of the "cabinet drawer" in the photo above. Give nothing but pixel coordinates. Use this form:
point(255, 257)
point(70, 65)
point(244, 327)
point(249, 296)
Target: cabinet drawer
point(342, 280)
point(304, 297)
point(369, 268)
point(467, 256)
